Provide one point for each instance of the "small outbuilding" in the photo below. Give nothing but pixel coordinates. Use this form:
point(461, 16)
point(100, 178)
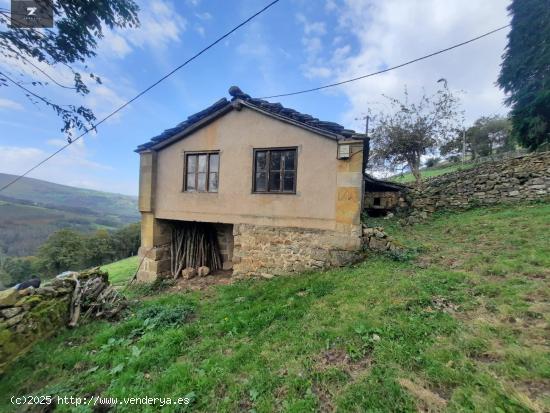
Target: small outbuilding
point(382, 197)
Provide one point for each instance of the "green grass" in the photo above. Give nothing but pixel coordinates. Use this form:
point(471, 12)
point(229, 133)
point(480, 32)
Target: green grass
point(431, 172)
point(460, 325)
point(121, 271)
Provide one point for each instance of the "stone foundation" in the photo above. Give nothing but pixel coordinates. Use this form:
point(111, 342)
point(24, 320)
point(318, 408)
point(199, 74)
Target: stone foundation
point(225, 241)
point(267, 251)
point(155, 263)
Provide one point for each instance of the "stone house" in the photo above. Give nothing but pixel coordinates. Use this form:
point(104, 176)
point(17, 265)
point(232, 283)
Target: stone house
point(281, 190)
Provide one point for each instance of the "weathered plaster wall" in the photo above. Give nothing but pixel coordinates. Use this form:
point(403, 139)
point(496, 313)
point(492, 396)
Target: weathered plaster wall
point(522, 178)
point(235, 135)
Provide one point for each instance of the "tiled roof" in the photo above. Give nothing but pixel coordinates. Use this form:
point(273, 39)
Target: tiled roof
point(335, 130)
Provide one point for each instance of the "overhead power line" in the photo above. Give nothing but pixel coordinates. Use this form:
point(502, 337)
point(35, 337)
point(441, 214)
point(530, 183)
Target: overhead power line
point(86, 131)
point(388, 69)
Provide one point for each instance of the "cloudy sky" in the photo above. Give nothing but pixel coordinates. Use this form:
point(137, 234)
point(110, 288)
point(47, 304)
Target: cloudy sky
point(297, 44)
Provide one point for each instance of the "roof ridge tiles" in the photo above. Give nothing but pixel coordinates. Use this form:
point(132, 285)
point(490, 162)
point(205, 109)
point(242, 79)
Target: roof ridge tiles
point(275, 108)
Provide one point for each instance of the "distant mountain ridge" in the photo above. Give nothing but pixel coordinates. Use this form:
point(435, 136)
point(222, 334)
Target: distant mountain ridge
point(32, 209)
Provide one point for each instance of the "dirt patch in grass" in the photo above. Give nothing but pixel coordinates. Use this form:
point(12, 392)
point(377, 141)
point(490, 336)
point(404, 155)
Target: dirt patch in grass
point(340, 359)
point(488, 357)
point(426, 400)
point(324, 397)
point(202, 283)
point(536, 389)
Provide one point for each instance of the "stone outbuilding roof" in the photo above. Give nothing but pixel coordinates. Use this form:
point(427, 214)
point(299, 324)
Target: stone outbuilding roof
point(378, 185)
point(239, 99)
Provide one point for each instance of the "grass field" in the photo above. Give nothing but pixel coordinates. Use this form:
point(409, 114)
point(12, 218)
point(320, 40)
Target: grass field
point(121, 271)
point(459, 323)
point(431, 172)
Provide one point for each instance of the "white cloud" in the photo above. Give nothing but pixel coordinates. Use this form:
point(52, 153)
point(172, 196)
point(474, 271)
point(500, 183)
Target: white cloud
point(330, 5)
point(314, 67)
point(103, 99)
point(312, 72)
point(312, 28)
point(160, 25)
point(253, 49)
point(393, 31)
point(116, 44)
point(200, 30)
point(10, 104)
point(204, 16)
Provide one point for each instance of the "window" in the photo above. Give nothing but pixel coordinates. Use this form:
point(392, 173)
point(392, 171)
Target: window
point(376, 202)
point(275, 170)
point(202, 172)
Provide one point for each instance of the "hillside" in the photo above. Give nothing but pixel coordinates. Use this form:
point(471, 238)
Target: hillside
point(431, 172)
point(458, 322)
point(32, 209)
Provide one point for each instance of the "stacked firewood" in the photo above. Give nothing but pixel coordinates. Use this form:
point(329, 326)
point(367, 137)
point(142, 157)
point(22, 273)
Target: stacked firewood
point(94, 297)
point(194, 245)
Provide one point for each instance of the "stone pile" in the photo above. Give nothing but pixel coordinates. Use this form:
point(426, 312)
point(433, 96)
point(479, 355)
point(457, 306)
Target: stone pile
point(32, 314)
point(376, 239)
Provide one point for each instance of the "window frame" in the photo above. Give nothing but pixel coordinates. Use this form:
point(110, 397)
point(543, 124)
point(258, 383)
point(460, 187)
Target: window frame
point(268, 163)
point(208, 154)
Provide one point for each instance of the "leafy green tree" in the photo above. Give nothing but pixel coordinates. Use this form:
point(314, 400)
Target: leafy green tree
point(62, 251)
point(127, 240)
point(525, 71)
point(14, 270)
point(98, 248)
point(488, 135)
point(73, 40)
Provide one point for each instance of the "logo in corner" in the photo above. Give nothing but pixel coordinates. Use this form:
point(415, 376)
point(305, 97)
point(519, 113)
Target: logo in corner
point(31, 14)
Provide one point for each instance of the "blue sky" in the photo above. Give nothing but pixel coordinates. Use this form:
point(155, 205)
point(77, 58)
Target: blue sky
point(296, 44)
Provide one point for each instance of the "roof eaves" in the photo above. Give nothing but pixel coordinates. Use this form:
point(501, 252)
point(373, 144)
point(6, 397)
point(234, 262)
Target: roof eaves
point(393, 185)
point(193, 127)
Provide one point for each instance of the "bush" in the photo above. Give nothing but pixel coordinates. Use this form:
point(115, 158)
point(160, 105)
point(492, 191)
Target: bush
point(431, 162)
point(162, 316)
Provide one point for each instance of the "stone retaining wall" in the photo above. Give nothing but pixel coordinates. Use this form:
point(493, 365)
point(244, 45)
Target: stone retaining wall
point(33, 314)
point(268, 251)
point(523, 178)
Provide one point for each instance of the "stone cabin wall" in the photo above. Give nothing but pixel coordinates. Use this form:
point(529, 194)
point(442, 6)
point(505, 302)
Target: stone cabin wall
point(267, 251)
point(523, 178)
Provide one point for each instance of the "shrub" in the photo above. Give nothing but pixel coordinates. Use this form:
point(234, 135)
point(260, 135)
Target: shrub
point(159, 316)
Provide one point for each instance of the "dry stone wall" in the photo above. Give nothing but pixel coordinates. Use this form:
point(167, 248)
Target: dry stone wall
point(32, 314)
point(521, 178)
point(268, 251)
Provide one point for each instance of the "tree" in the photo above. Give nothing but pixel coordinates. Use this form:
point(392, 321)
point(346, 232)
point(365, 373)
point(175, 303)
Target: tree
point(414, 129)
point(431, 162)
point(14, 270)
point(525, 71)
point(98, 248)
point(62, 251)
point(78, 26)
point(127, 240)
point(488, 135)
